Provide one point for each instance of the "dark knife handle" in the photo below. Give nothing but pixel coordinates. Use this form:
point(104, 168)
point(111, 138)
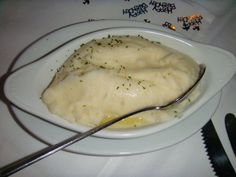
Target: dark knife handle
point(216, 153)
point(230, 124)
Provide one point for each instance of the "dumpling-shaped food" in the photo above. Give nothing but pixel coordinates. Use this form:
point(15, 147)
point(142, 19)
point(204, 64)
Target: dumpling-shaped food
point(109, 77)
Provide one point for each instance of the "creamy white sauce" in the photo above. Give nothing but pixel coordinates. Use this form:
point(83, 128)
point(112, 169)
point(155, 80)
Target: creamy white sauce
point(111, 76)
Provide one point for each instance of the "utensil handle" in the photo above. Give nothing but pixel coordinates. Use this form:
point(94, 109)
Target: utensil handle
point(230, 124)
point(41, 154)
point(29, 160)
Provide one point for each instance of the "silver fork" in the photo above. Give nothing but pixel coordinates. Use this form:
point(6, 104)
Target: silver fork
point(39, 155)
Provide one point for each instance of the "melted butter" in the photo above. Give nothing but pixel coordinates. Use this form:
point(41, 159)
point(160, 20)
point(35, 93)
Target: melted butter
point(126, 123)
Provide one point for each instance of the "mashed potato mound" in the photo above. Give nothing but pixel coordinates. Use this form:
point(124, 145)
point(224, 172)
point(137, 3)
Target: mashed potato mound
point(108, 77)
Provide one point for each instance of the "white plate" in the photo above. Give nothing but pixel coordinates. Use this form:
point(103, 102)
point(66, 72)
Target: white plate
point(25, 85)
point(42, 130)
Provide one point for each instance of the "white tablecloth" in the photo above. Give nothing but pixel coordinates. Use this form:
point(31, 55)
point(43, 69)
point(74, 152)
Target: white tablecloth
point(21, 22)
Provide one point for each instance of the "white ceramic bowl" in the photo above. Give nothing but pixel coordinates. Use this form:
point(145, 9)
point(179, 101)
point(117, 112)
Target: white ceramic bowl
point(24, 86)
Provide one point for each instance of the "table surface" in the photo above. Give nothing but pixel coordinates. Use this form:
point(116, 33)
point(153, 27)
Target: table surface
point(21, 22)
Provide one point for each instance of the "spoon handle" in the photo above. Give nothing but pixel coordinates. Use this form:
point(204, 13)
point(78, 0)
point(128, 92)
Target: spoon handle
point(32, 158)
point(41, 154)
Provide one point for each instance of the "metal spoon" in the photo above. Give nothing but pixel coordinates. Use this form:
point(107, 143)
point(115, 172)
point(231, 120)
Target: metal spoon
point(32, 158)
